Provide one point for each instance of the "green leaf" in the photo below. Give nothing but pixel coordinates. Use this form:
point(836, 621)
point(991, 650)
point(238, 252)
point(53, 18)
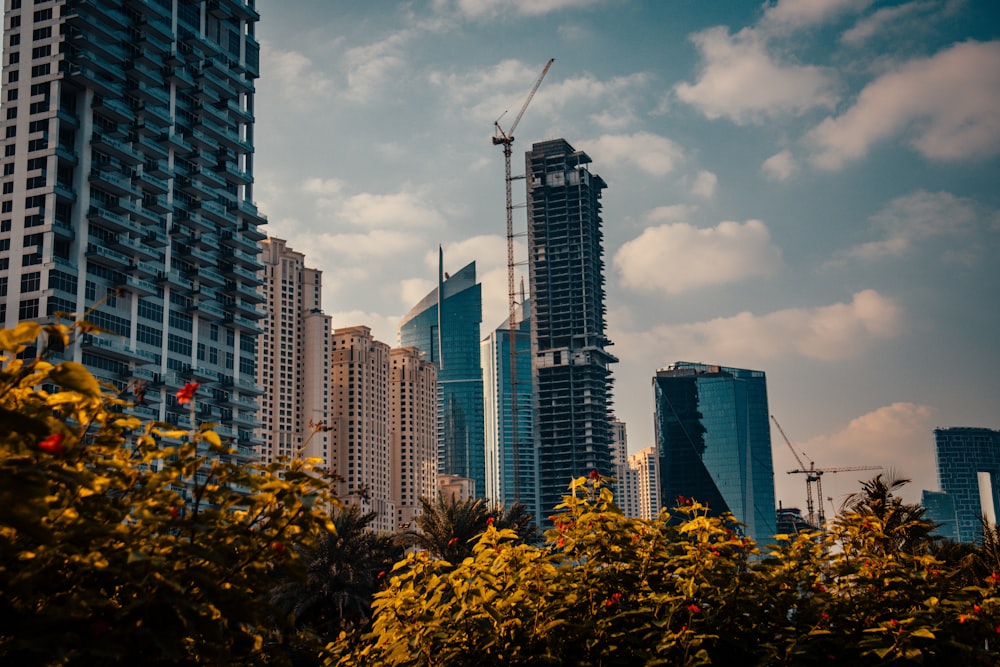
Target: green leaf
point(75, 377)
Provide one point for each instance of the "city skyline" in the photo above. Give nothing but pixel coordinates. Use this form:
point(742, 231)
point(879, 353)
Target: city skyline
point(757, 214)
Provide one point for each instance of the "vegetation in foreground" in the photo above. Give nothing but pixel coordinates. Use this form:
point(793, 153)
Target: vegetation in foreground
point(125, 542)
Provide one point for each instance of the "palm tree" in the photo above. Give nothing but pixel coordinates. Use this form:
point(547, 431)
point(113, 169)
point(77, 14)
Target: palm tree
point(903, 524)
point(448, 527)
point(343, 574)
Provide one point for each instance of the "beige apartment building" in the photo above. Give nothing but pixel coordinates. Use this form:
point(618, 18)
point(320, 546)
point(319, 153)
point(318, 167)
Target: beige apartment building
point(293, 363)
point(412, 431)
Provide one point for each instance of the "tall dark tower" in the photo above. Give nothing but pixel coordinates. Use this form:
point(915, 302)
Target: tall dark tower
point(569, 361)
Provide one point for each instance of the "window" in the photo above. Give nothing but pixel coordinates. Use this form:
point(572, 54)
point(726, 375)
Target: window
point(13, 58)
point(33, 259)
point(36, 163)
point(9, 151)
point(33, 240)
point(27, 309)
point(6, 207)
point(12, 113)
point(12, 93)
point(8, 187)
point(15, 21)
point(34, 201)
point(41, 33)
point(3, 285)
point(8, 169)
point(42, 15)
point(31, 282)
point(41, 70)
point(36, 182)
point(15, 39)
point(38, 126)
point(40, 88)
point(39, 107)
point(4, 225)
point(38, 144)
point(11, 131)
point(41, 51)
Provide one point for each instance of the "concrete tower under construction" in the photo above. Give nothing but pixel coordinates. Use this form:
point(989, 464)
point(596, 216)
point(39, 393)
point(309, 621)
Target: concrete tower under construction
point(570, 365)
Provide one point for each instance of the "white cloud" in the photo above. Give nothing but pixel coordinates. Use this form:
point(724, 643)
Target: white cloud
point(412, 290)
point(898, 437)
point(677, 258)
point(374, 66)
point(653, 154)
point(795, 14)
point(740, 81)
point(672, 213)
point(908, 18)
point(299, 84)
point(487, 9)
point(780, 166)
point(909, 220)
point(704, 184)
point(322, 186)
point(946, 105)
point(377, 243)
point(403, 209)
point(827, 333)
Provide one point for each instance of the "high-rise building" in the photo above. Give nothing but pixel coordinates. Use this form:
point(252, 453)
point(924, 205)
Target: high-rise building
point(626, 479)
point(571, 367)
point(294, 363)
point(714, 442)
point(359, 423)
point(412, 432)
point(127, 188)
point(510, 477)
point(968, 465)
point(645, 465)
point(445, 326)
point(940, 508)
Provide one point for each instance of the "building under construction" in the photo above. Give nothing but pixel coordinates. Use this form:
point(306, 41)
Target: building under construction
point(571, 373)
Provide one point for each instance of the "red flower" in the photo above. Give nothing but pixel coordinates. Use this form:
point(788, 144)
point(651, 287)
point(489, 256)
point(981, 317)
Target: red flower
point(174, 512)
point(594, 474)
point(825, 616)
point(489, 521)
point(693, 608)
point(561, 542)
point(52, 444)
point(381, 574)
point(186, 393)
point(453, 541)
point(976, 608)
point(994, 578)
point(613, 600)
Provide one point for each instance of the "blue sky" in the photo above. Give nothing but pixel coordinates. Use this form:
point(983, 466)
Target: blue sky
point(809, 188)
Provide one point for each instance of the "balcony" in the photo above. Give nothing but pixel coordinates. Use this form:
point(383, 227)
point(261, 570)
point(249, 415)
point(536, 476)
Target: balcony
point(150, 183)
point(159, 113)
point(250, 294)
point(207, 309)
point(216, 212)
point(114, 109)
point(155, 238)
point(148, 93)
point(144, 74)
point(237, 112)
point(235, 175)
point(247, 260)
point(247, 310)
point(63, 229)
point(235, 271)
point(191, 253)
point(151, 147)
point(210, 277)
point(87, 77)
point(64, 193)
point(158, 168)
point(116, 348)
point(236, 239)
point(248, 210)
point(243, 324)
point(114, 183)
point(244, 386)
point(202, 141)
point(139, 286)
point(174, 279)
point(118, 149)
point(145, 269)
point(108, 220)
point(98, 254)
point(134, 248)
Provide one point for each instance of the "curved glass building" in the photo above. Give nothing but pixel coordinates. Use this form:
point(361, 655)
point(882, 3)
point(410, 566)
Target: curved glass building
point(445, 327)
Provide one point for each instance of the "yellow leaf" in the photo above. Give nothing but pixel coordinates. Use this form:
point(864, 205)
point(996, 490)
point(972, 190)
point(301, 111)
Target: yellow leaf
point(212, 438)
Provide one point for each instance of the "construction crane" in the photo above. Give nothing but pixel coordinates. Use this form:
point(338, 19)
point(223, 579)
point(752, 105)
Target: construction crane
point(814, 475)
point(505, 139)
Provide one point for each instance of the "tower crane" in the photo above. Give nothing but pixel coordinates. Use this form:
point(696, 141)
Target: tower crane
point(505, 139)
point(814, 475)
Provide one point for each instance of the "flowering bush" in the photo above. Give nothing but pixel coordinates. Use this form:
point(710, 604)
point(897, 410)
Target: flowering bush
point(123, 542)
point(685, 589)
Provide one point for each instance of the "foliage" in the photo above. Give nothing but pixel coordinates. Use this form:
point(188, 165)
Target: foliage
point(344, 571)
point(449, 527)
point(124, 542)
point(684, 589)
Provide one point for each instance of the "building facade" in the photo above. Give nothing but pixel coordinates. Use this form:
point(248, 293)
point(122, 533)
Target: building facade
point(294, 363)
point(645, 466)
point(445, 326)
point(412, 432)
point(968, 465)
point(570, 363)
point(127, 195)
point(510, 474)
point(359, 423)
point(714, 442)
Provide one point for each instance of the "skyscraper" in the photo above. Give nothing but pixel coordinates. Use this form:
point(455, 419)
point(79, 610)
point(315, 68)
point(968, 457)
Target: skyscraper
point(968, 464)
point(412, 432)
point(571, 367)
point(445, 326)
point(509, 478)
point(714, 442)
point(294, 363)
point(359, 423)
point(127, 187)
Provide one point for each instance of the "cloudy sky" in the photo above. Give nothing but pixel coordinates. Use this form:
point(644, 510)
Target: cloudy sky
point(807, 187)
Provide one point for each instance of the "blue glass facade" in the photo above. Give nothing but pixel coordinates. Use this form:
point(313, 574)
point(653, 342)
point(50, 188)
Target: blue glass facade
point(445, 326)
point(940, 508)
point(714, 442)
point(510, 478)
point(968, 464)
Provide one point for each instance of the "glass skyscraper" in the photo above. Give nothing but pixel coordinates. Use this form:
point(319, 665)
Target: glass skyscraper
point(968, 465)
point(127, 195)
point(509, 478)
point(714, 442)
point(571, 367)
point(445, 326)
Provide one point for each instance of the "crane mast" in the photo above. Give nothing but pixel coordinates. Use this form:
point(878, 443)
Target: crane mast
point(506, 139)
point(814, 475)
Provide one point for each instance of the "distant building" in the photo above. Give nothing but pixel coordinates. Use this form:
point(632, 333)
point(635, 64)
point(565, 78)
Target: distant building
point(571, 365)
point(412, 432)
point(127, 194)
point(626, 479)
point(445, 326)
point(789, 521)
point(968, 465)
point(455, 487)
point(294, 363)
point(510, 478)
point(714, 442)
point(359, 423)
point(645, 465)
point(940, 508)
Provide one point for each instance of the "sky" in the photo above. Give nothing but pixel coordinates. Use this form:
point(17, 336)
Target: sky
point(810, 188)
